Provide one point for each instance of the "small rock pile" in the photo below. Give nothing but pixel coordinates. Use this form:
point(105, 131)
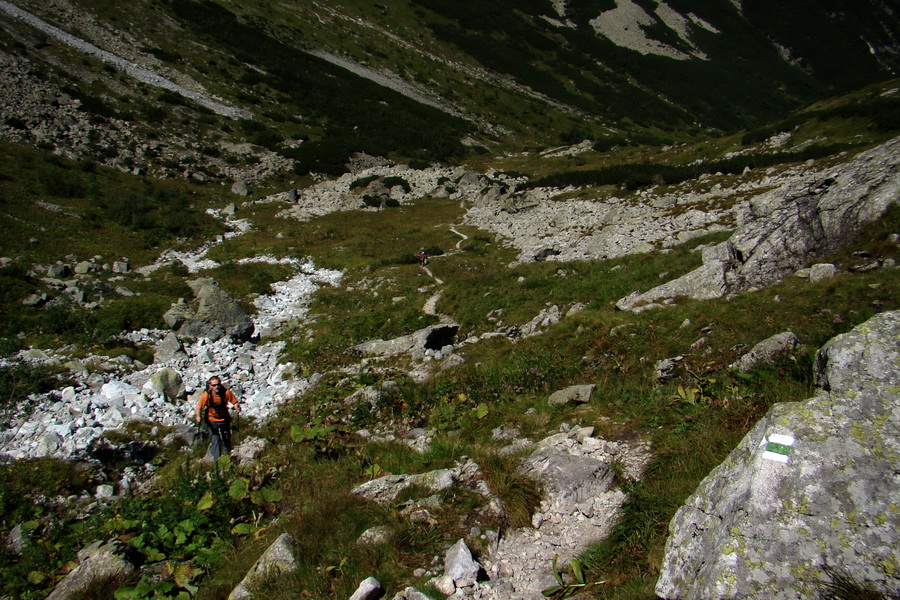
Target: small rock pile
point(578, 474)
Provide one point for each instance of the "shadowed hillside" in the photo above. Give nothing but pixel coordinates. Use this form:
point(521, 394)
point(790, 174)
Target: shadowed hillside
point(642, 220)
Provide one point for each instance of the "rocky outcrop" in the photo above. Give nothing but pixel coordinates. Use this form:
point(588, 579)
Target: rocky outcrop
point(811, 487)
point(575, 394)
point(117, 62)
point(580, 506)
point(216, 315)
point(65, 423)
point(781, 230)
point(767, 350)
point(461, 570)
point(566, 230)
point(435, 337)
point(385, 490)
point(99, 565)
point(369, 589)
point(278, 559)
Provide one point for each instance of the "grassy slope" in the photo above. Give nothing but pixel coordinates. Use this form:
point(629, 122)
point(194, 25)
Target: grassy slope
point(314, 474)
point(254, 54)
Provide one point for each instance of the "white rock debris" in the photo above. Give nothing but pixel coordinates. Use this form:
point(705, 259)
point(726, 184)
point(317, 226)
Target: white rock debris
point(110, 392)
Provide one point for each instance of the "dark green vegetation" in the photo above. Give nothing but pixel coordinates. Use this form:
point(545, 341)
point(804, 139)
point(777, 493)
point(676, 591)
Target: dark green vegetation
point(204, 527)
point(510, 64)
point(361, 116)
point(201, 527)
point(732, 85)
point(51, 208)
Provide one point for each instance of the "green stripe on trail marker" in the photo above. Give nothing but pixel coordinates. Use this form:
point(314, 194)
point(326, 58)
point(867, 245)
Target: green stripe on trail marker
point(778, 448)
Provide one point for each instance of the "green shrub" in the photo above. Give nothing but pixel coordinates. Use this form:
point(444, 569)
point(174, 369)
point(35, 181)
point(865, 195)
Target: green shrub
point(20, 380)
point(63, 183)
point(372, 201)
point(390, 182)
point(363, 181)
point(172, 98)
point(153, 115)
point(638, 175)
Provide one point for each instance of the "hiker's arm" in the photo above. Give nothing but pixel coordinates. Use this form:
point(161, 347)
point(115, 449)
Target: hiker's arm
point(234, 401)
point(200, 404)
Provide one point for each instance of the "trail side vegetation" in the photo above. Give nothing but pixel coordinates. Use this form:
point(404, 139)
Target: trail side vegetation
point(200, 527)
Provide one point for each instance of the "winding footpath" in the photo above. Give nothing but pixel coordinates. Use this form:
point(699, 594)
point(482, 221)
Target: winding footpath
point(430, 307)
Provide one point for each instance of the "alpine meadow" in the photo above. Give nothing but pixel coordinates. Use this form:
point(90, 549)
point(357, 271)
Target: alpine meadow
point(424, 299)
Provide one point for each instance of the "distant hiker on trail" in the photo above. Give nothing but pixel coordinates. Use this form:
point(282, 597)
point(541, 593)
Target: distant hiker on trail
point(212, 411)
point(423, 258)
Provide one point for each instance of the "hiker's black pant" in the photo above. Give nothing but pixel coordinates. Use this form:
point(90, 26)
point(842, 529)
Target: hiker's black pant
point(219, 438)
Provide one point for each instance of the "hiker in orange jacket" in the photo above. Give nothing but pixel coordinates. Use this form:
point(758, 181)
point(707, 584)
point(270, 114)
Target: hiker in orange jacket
point(212, 410)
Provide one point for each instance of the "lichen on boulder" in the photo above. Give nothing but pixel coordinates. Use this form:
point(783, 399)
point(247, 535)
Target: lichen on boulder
point(811, 487)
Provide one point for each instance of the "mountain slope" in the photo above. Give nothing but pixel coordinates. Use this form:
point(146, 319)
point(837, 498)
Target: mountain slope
point(427, 75)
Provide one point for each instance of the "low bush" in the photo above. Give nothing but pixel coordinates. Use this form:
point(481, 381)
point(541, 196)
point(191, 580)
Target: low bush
point(390, 182)
point(19, 381)
point(639, 175)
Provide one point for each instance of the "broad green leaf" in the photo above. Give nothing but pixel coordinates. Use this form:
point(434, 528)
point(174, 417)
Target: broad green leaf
point(187, 526)
point(266, 495)
point(36, 577)
point(271, 494)
point(78, 527)
point(30, 525)
point(243, 529)
point(206, 502)
point(139, 592)
point(481, 411)
point(224, 462)
point(184, 574)
point(556, 572)
point(298, 433)
point(154, 555)
point(239, 489)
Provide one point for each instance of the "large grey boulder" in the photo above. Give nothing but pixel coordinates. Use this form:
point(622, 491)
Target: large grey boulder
point(170, 348)
point(459, 564)
point(434, 337)
point(781, 230)
point(165, 383)
point(216, 314)
point(99, 564)
point(386, 489)
point(812, 485)
point(766, 351)
point(574, 394)
point(566, 476)
point(369, 589)
point(865, 358)
point(277, 560)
